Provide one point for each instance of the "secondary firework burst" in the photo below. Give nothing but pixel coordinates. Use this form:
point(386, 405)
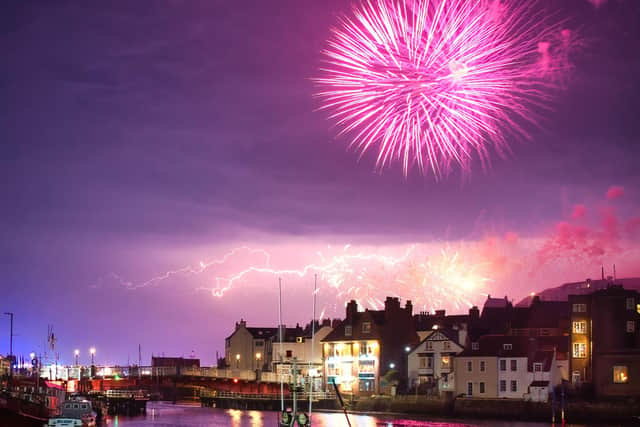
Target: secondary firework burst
point(438, 83)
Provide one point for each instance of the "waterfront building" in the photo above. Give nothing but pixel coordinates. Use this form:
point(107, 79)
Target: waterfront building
point(366, 353)
point(298, 347)
point(249, 347)
point(511, 367)
point(5, 366)
point(431, 363)
point(605, 341)
point(540, 319)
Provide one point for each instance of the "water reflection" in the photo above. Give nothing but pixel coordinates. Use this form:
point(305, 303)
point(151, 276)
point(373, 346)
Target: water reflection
point(183, 415)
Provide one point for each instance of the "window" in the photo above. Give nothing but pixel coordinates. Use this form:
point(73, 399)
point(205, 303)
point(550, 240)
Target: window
point(631, 326)
point(481, 388)
point(631, 303)
point(579, 308)
point(483, 367)
point(469, 366)
point(507, 346)
point(447, 345)
point(580, 327)
point(579, 350)
point(514, 386)
point(469, 389)
point(503, 385)
point(537, 367)
point(429, 345)
point(260, 343)
point(503, 365)
point(366, 327)
point(289, 353)
point(514, 365)
point(429, 362)
point(348, 330)
point(620, 374)
point(445, 363)
point(423, 362)
point(475, 346)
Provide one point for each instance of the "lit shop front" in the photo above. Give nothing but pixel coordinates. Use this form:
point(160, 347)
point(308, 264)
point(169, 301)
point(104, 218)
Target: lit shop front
point(353, 366)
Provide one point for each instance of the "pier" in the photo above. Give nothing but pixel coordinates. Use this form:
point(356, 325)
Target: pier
point(262, 401)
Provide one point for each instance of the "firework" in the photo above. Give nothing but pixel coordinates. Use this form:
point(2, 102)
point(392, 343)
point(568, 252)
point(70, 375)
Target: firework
point(438, 83)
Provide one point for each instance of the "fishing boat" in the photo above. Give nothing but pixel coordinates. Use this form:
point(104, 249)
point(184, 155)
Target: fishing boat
point(74, 413)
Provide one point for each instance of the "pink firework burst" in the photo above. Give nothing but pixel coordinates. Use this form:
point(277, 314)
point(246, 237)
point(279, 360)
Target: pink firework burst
point(437, 83)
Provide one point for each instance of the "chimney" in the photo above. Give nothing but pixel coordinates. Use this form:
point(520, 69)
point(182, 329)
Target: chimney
point(409, 308)
point(474, 313)
point(352, 310)
point(242, 323)
point(440, 313)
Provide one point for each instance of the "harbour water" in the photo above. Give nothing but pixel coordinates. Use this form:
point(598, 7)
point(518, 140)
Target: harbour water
point(184, 415)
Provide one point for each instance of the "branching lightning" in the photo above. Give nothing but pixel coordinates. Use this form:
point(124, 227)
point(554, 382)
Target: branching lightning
point(443, 280)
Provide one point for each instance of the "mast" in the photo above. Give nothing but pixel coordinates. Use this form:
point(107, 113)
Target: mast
point(280, 331)
point(313, 333)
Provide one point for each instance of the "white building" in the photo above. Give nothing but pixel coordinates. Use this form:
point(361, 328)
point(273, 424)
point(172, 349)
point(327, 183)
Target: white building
point(432, 361)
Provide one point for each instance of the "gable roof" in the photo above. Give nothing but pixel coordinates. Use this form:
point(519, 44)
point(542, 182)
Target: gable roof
point(541, 356)
point(376, 318)
point(440, 335)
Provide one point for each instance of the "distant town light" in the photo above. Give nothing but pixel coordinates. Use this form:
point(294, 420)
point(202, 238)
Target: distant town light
point(392, 365)
point(77, 352)
point(32, 355)
point(92, 350)
point(434, 327)
point(407, 349)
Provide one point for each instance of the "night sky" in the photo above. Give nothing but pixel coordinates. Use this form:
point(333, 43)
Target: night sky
point(146, 136)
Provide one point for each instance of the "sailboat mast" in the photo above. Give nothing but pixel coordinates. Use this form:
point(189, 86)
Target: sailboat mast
point(313, 333)
point(280, 331)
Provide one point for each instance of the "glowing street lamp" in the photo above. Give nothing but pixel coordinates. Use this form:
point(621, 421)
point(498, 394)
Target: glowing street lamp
point(237, 360)
point(258, 357)
point(92, 350)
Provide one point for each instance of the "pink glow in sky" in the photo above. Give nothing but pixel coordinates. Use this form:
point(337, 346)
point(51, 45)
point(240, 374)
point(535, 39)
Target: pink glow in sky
point(434, 83)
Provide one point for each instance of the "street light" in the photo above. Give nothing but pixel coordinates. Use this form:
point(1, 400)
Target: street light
point(92, 350)
point(392, 365)
point(407, 349)
point(76, 354)
point(237, 360)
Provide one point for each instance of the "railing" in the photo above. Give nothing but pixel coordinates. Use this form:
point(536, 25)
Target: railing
point(125, 394)
point(316, 395)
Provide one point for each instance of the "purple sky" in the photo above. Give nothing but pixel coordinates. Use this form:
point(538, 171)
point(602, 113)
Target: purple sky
point(141, 137)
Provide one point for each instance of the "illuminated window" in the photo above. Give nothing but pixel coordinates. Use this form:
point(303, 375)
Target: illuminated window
point(631, 326)
point(620, 374)
point(579, 350)
point(446, 362)
point(580, 327)
point(638, 308)
point(348, 329)
point(366, 327)
point(579, 308)
point(631, 302)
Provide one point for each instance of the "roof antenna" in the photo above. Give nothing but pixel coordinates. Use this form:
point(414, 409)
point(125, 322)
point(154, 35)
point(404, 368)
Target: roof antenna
point(614, 272)
point(603, 272)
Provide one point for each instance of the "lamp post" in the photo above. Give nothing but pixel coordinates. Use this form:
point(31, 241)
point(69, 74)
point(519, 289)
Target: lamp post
point(237, 361)
point(92, 350)
point(10, 341)
point(76, 353)
point(258, 357)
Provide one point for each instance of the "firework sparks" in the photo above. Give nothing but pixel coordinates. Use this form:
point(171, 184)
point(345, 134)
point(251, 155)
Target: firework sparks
point(437, 83)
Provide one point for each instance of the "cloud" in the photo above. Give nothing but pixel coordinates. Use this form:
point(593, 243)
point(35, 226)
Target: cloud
point(579, 211)
point(615, 192)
